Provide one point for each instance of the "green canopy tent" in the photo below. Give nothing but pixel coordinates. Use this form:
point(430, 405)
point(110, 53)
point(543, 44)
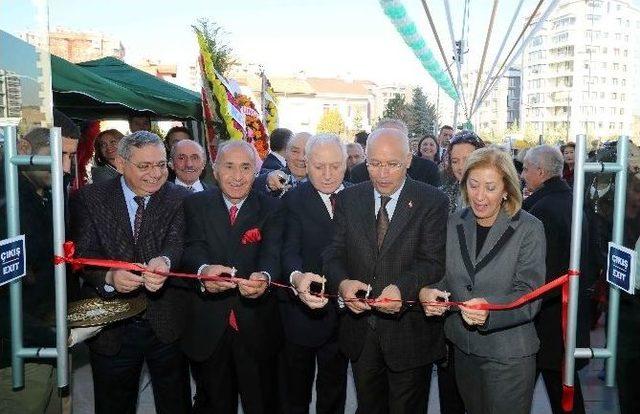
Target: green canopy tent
point(82, 92)
point(164, 97)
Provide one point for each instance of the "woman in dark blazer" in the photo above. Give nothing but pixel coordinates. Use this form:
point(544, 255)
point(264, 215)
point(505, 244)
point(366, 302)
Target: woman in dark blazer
point(495, 253)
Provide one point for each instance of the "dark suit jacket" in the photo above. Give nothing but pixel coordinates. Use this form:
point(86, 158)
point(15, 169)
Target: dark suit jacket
point(421, 169)
point(510, 264)
point(412, 256)
point(212, 240)
point(271, 163)
point(101, 229)
point(552, 204)
point(308, 232)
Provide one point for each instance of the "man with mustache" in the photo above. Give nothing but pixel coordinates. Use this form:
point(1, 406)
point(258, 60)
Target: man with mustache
point(277, 182)
point(188, 161)
point(234, 330)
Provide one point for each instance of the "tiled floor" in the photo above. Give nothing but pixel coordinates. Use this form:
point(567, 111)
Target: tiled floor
point(598, 398)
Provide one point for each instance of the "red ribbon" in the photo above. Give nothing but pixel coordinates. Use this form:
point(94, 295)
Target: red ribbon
point(567, 391)
point(78, 262)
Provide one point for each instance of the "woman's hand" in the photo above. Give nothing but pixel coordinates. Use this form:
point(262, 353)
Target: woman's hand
point(474, 316)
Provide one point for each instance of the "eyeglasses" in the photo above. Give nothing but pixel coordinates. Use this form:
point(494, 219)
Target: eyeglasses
point(148, 166)
point(466, 137)
point(391, 165)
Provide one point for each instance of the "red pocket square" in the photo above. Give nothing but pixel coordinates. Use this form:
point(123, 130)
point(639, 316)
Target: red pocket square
point(251, 236)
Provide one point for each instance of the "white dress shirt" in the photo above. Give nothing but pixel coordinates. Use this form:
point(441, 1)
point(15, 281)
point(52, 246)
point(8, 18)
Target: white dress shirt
point(391, 205)
point(195, 187)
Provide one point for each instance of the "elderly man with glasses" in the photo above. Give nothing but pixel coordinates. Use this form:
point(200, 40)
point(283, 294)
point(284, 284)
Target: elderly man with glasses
point(136, 217)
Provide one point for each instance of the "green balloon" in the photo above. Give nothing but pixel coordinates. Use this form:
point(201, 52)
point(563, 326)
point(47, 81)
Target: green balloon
point(426, 55)
point(432, 66)
point(417, 45)
point(407, 30)
point(395, 12)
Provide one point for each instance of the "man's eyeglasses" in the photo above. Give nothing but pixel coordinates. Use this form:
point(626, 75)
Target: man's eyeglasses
point(148, 166)
point(391, 165)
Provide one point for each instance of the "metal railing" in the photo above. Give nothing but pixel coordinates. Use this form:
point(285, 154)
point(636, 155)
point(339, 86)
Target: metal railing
point(620, 170)
point(11, 162)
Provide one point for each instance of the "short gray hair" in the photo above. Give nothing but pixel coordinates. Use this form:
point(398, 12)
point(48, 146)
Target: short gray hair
point(137, 139)
point(174, 148)
point(549, 159)
point(298, 136)
point(229, 145)
point(393, 123)
point(399, 134)
point(325, 139)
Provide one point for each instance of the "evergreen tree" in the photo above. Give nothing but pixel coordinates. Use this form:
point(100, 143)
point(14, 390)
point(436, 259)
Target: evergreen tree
point(421, 115)
point(396, 108)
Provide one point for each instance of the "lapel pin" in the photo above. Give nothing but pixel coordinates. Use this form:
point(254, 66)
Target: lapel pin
point(410, 204)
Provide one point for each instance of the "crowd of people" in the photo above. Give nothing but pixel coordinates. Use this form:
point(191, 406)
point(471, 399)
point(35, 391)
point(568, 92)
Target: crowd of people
point(373, 240)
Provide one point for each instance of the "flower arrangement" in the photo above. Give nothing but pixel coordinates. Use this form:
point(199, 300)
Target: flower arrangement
point(256, 133)
point(217, 95)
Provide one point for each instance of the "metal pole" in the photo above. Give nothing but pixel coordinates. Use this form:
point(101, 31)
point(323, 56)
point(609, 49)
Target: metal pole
point(13, 229)
point(501, 48)
point(18, 351)
point(57, 195)
point(533, 31)
point(458, 56)
point(574, 260)
point(619, 201)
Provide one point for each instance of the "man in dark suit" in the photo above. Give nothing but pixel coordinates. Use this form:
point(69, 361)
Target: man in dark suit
point(234, 329)
point(137, 218)
point(419, 169)
point(277, 182)
point(551, 201)
point(389, 240)
point(311, 334)
point(278, 142)
point(187, 159)
point(444, 137)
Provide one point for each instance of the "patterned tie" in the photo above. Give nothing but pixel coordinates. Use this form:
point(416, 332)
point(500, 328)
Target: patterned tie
point(137, 220)
point(382, 221)
point(332, 200)
point(233, 214)
point(191, 189)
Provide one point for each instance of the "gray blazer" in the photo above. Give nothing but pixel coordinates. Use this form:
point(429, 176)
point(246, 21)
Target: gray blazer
point(510, 264)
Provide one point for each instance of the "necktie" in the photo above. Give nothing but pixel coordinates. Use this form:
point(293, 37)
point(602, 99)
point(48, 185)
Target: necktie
point(137, 219)
point(190, 188)
point(233, 214)
point(233, 321)
point(332, 200)
point(382, 221)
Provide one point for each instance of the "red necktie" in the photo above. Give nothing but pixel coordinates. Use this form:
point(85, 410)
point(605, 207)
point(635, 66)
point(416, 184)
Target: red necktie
point(233, 322)
point(233, 214)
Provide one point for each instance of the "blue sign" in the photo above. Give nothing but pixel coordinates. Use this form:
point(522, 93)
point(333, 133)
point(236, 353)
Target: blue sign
point(621, 267)
point(13, 259)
